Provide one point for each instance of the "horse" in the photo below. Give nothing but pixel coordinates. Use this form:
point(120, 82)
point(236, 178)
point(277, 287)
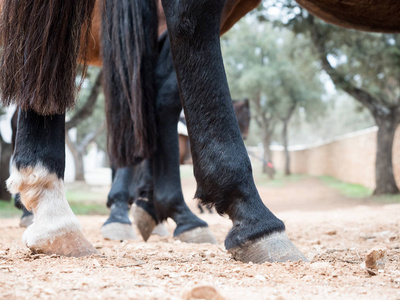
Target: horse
point(40, 52)
point(243, 116)
point(242, 113)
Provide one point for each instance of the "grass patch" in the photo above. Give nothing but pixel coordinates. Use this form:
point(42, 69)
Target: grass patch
point(8, 210)
point(82, 196)
point(89, 209)
point(87, 203)
point(346, 189)
point(280, 180)
point(386, 199)
point(82, 203)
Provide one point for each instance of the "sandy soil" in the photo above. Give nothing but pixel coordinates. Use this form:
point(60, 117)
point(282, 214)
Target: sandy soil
point(335, 233)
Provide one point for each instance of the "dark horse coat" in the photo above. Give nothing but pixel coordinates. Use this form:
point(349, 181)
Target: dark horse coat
point(41, 45)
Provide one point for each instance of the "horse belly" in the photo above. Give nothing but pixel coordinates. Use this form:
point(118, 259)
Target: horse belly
point(367, 15)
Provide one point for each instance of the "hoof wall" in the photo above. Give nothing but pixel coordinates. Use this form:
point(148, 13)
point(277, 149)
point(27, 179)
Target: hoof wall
point(26, 221)
point(144, 222)
point(276, 247)
point(72, 244)
point(197, 236)
point(161, 230)
point(118, 232)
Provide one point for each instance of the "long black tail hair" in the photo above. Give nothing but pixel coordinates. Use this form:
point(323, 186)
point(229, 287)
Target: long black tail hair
point(41, 43)
point(129, 43)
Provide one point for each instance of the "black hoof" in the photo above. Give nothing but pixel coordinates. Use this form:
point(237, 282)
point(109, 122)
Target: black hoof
point(275, 247)
point(144, 221)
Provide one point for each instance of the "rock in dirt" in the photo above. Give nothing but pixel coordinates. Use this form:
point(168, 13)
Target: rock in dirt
point(203, 292)
point(331, 232)
point(376, 259)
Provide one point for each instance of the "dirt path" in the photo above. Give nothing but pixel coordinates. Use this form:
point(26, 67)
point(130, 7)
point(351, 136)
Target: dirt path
point(334, 233)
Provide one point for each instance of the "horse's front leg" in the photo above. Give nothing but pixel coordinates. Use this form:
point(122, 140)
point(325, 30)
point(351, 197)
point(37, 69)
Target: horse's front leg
point(118, 226)
point(221, 164)
point(168, 196)
point(37, 174)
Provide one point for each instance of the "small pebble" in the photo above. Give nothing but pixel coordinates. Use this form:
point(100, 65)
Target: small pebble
point(376, 259)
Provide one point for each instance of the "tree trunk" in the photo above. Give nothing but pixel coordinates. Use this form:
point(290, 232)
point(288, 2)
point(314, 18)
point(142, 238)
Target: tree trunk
point(285, 145)
point(385, 182)
point(78, 159)
point(267, 164)
point(6, 152)
point(79, 168)
point(385, 116)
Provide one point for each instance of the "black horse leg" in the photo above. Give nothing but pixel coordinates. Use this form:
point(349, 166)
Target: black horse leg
point(37, 175)
point(221, 165)
point(200, 207)
point(144, 213)
point(168, 196)
point(27, 216)
point(118, 226)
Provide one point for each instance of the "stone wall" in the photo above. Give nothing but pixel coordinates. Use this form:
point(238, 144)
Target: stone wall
point(350, 158)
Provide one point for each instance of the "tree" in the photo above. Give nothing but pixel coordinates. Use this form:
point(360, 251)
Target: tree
point(275, 72)
point(87, 130)
point(365, 66)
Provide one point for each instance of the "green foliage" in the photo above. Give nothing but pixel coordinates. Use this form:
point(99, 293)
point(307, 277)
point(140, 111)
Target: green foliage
point(275, 69)
point(369, 61)
point(342, 115)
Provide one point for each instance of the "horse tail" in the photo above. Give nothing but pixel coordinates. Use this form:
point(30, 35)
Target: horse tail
point(41, 43)
point(129, 43)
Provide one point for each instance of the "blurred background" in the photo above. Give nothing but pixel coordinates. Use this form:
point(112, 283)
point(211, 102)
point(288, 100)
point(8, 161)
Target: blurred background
point(324, 105)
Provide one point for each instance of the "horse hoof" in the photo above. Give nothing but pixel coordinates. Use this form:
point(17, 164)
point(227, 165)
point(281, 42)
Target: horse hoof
point(275, 247)
point(71, 244)
point(144, 222)
point(118, 231)
point(26, 221)
point(197, 235)
point(161, 230)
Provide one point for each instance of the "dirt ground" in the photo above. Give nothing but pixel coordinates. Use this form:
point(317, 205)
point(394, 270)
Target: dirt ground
point(335, 233)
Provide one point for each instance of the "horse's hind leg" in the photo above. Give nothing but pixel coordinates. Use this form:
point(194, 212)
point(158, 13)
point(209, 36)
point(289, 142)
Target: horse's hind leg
point(143, 211)
point(221, 165)
point(118, 226)
point(168, 196)
point(37, 174)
